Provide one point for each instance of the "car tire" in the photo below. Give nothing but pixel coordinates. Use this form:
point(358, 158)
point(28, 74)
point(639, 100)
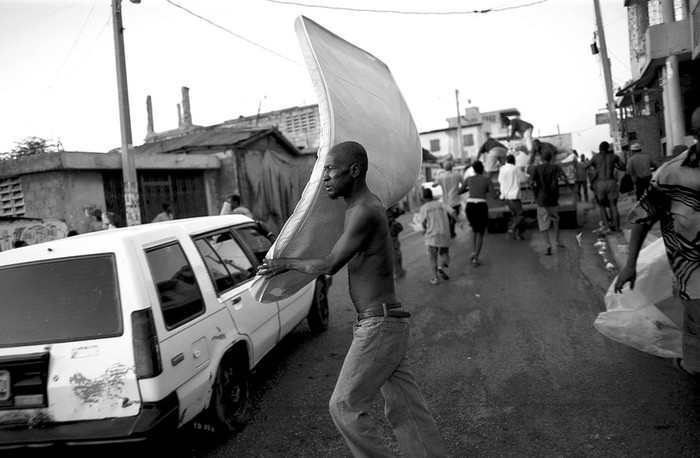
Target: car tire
point(230, 406)
point(317, 318)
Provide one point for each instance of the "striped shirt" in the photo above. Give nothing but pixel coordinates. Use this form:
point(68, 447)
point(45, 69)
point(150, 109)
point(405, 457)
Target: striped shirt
point(673, 199)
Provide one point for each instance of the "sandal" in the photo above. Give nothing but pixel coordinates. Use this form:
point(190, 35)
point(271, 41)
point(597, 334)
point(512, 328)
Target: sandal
point(434, 281)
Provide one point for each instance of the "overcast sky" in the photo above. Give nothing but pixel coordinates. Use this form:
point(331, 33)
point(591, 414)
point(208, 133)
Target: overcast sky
point(58, 78)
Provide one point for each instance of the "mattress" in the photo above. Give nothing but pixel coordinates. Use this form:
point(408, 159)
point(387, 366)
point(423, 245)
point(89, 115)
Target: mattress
point(358, 100)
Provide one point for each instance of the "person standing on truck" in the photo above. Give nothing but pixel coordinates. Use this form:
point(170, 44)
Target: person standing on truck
point(545, 185)
point(382, 332)
point(493, 151)
point(607, 190)
point(539, 148)
point(479, 187)
point(510, 180)
point(522, 128)
point(450, 181)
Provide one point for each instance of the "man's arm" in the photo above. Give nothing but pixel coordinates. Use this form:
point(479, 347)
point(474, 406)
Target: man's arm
point(361, 220)
point(629, 272)
point(618, 163)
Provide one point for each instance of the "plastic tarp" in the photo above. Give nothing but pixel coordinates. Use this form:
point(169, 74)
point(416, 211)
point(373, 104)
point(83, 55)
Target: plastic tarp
point(642, 317)
point(278, 180)
point(360, 101)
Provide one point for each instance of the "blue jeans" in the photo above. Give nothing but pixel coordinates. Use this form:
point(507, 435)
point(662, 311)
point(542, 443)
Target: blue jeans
point(377, 361)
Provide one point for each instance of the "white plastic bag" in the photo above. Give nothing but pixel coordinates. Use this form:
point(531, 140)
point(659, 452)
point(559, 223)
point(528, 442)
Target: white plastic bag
point(633, 317)
point(417, 223)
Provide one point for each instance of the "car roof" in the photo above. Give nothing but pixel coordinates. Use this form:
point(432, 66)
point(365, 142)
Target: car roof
point(110, 240)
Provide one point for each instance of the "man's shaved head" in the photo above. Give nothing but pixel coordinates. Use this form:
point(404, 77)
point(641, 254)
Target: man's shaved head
point(351, 153)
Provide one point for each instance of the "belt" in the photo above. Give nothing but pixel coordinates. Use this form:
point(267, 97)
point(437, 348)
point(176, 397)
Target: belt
point(384, 310)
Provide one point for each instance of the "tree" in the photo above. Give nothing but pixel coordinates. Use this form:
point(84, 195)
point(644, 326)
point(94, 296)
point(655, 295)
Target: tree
point(30, 146)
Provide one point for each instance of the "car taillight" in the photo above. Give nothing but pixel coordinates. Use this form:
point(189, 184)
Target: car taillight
point(146, 349)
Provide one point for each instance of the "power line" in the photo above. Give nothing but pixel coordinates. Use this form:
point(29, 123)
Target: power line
point(65, 59)
point(233, 33)
point(490, 10)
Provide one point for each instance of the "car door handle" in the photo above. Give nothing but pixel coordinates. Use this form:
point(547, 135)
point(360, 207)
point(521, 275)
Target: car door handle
point(235, 300)
point(177, 359)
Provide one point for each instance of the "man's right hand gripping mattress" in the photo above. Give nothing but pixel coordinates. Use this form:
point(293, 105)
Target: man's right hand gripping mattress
point(360, 101)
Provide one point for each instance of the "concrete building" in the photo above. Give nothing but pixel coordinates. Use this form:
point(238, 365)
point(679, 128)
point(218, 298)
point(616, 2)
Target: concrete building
point(192, 167)
point(655, 107)
point(301, 125)
point(473, 127)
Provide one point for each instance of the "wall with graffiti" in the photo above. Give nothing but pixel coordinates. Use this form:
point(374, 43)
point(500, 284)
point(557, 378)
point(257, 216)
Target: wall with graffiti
point(31, 230)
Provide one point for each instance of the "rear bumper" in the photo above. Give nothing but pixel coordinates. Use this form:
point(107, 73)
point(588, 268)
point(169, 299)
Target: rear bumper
point(154, 418)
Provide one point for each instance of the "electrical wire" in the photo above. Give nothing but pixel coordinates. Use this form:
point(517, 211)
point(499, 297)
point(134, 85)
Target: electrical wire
point(70, 51)
point(233, 33)
point(490, 10)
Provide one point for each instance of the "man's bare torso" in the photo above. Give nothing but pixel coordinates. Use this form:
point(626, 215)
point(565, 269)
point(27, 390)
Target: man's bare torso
point(370, 271)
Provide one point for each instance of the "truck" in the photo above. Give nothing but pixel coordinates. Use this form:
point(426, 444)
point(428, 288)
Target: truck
point(499, 214)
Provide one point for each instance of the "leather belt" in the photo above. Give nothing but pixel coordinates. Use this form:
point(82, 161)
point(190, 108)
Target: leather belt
point(385, 310)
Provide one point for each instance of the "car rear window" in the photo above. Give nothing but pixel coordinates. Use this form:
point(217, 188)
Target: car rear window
point(60, 300)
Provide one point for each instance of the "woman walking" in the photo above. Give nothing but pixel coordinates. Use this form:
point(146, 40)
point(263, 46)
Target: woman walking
point(478, 186)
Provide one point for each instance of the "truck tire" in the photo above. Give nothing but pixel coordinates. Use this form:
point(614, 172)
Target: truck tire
point(317, 318)
point(568, 220)
point(497, 225)
point(230, 406)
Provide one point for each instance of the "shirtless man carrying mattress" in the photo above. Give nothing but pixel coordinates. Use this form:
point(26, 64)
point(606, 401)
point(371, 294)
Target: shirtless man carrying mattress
point(376, 359)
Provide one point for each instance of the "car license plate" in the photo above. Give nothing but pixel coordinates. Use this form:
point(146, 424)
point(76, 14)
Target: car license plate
point(4, 385)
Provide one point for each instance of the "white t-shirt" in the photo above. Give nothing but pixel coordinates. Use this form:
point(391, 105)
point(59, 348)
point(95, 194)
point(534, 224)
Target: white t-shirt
point(510, 178)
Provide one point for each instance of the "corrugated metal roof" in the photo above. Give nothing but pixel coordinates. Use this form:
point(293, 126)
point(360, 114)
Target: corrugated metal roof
point(213, 138)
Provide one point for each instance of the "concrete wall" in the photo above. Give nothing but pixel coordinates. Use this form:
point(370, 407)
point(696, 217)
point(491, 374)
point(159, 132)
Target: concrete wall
point(67, 195)
point(647, 133)
point(32, 231)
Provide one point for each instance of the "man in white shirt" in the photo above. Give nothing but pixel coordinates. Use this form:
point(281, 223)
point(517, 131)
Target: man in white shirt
point(510, 178)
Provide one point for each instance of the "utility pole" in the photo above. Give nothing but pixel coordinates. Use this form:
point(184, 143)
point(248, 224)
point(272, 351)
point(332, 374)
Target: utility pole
point(460, 148)
point(131, 189)
point(614, 131)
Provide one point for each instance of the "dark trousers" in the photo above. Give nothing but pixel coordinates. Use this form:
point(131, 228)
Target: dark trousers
point(516, 208)
point(582, 190)
point(640, 185)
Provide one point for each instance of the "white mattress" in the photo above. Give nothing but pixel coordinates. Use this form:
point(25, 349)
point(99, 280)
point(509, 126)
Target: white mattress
point(358, 100)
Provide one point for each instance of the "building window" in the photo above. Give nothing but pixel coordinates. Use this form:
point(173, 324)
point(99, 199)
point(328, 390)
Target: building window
point(468, 140)
point(303, 122)
point(434, 145)
point(11, 197)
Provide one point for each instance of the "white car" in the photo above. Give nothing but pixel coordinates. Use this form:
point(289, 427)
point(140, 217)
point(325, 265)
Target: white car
point(124, 334)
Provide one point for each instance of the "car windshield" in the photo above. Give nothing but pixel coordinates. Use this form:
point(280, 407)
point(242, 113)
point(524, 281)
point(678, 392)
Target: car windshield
point(59, 300)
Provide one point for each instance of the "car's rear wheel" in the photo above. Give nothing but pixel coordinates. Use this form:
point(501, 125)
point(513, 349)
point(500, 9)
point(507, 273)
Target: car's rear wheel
point(317, 318)
point(230, 406)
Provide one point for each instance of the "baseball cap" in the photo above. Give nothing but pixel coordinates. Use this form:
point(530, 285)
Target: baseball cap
point(636, 147)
